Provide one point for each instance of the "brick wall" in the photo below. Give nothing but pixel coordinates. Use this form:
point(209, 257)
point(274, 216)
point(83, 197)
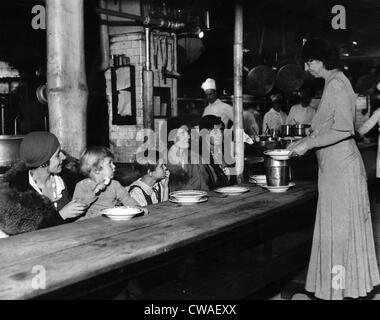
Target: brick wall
point(132, 44)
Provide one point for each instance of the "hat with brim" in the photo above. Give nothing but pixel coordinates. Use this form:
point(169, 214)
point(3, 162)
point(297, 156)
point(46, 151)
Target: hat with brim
point(322, 50)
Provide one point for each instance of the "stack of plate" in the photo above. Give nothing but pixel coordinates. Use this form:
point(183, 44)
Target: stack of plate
point(259, 179)
point(232, 190)
point(122, 213)
point(278, 154)
point(188, 197)
point(278, 189)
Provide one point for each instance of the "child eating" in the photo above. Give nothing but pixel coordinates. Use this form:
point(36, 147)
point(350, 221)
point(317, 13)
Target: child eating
point(99, 190)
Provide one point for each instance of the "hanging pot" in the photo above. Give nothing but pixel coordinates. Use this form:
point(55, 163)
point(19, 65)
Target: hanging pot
point(9, 150)
point(260, 80)
point(42, 94)
point(365, 84)
point(290, 78)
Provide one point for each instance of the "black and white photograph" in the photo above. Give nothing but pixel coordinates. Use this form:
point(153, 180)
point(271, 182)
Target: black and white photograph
point(189, 157)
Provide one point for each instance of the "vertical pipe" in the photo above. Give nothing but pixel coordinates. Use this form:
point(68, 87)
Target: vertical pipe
point(2, 120)
point(238, 91)
point(147, 49)
point(66, 77)
point(175, 81)
point(207, 22)
point(104, 39)
point(148, 82)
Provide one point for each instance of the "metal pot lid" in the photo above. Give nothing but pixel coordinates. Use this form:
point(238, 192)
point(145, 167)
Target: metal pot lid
point(260, 80)
point(290, 78)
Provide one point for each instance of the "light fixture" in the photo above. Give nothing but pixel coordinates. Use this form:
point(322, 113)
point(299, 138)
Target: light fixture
point(199, 32)
point(354, 43)
point(346, 54)
point(345, 68)
point(195, 32)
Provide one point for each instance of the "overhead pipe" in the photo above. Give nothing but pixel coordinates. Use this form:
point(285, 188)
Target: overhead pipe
point(238, 92)
point(147, 21)
point(163, 23)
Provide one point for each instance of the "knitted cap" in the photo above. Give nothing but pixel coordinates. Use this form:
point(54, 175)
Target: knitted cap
point(38, 147)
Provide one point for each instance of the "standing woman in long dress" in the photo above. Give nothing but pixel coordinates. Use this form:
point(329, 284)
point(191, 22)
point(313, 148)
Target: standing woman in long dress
point(343, 260)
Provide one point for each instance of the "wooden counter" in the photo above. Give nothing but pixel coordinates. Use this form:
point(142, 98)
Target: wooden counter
point(85, 250)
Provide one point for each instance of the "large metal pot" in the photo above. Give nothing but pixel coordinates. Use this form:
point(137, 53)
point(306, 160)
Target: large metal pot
point(287, 130)
point(9, 149)
point(301, 130)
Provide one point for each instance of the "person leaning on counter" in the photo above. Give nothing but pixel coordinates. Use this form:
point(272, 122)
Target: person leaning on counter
point(38, 195)
point(343, 240)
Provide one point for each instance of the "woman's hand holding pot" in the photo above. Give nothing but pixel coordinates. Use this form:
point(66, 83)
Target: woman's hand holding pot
point(298, 148)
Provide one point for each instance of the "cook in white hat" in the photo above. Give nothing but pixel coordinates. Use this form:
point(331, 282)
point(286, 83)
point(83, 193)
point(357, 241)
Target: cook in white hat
point(216, 106)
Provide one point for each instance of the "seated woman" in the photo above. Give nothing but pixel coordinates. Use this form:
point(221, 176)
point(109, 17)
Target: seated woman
point(211, 151)
point(183, 174)
point(37, 197)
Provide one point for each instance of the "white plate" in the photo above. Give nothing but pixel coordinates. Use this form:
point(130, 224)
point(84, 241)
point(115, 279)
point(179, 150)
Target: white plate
point(280, 188)
point(191, 195)
point(187, 202)
point(278, 154)
point(123, 213)
point(233, 190)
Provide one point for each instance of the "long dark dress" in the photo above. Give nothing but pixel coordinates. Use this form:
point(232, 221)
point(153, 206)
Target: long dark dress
point(343, 260)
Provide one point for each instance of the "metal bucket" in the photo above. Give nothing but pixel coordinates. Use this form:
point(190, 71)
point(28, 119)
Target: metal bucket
point(9, 150)
point(277, 172)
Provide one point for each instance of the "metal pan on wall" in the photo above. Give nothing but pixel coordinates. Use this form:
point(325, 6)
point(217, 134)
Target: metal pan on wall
point(261, 80)
point(290, 78)
point(41, 93)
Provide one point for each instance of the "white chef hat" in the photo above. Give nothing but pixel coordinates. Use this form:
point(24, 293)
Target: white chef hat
point(209, 84)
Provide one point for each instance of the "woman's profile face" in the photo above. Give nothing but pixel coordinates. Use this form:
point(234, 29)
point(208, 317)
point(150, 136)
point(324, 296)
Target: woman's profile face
point(183, 137)
point(314, 67)
point(55, 162)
